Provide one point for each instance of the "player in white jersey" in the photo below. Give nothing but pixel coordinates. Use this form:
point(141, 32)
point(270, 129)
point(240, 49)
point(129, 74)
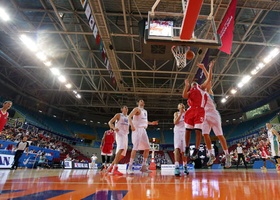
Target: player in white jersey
point(139, 136)
point(273, 137)
point(121, 129)
point(213, 121)
point(179, 139)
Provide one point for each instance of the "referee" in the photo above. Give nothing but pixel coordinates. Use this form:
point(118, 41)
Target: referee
point(240, 154)
point(21, 147)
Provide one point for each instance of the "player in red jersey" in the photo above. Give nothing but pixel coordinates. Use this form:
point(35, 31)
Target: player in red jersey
point(195, 114)
point(263, 145)
point(107, 147)
point(4, 114)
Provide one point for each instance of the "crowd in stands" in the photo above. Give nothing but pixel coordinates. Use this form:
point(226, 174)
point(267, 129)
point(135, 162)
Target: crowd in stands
point(42, 139)
point(251, 147)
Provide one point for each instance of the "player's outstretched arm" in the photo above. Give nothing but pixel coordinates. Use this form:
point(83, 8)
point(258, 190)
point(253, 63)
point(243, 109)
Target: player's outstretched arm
point(202, 67)
point(209, 78)
point(185, 94)
point(153, 123)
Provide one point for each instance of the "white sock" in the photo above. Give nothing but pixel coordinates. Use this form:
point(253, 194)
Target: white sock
point(226, 152)
point(176, 164)
point(144, 161)
point(209, 152)
point(130, 163)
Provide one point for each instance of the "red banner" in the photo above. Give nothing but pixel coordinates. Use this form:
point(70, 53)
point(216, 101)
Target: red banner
point(225, 29)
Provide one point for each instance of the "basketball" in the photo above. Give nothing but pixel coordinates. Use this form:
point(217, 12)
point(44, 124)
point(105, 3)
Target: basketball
point(190, 55)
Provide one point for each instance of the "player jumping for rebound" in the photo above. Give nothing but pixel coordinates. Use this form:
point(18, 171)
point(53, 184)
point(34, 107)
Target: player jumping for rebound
point(195, 114)
point(179, 139)
point(121, 129)
point(213, 121)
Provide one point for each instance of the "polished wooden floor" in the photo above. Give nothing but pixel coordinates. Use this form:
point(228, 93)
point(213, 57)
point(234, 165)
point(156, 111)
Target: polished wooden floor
point(27, 184)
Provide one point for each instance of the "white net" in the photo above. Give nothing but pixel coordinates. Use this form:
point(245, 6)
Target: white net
point(180, 53)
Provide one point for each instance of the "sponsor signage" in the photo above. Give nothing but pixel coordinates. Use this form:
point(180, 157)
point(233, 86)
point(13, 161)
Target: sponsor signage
point(6, 160)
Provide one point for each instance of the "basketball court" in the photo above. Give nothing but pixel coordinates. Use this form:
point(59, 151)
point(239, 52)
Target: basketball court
point(89, 185)
point(164, 35)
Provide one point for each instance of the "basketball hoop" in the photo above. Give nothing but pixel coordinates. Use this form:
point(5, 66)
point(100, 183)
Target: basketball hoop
point(180, 53)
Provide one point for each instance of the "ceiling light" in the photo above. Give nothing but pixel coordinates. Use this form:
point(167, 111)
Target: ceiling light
point(78, 96)
point(233, 91)
point(61, 14)
point(55, 71)
point(260, 66)
point(240, 85)
point(54, 116)
point(246, 79)
point(227, 120)
point(40, 111)
point(105, 122)
point(267, 59)
point(41, 56)
point(274, 52)
point(233, 119)
point(90, 121)
point(62, 79)
point(227, 97)
point(254, 71)
point(48, 63)
point(84, 120)
point(68, 85)
point(74, 91)
point(4, 16)
point(98, 122)
point(28, 43)
point(223, 100)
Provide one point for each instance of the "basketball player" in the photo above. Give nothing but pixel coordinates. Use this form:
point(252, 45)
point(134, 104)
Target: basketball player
point(4, 114)
point(213, 121)
point(179, 139)
point(195, 114)
point(273, 136)
point(263, 145)
point(107, 147)
point(121, 129)
point(139, 137)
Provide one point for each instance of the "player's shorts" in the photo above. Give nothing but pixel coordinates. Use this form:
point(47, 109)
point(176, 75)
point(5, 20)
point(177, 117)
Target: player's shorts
point(122, 143)
point(274, 145)
point(179, 140)
point(107, 149)
point(194, 118)
point(140, 139)
point(212, 121)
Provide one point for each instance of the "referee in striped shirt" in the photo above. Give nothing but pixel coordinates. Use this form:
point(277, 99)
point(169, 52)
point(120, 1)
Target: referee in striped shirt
point(21, 147)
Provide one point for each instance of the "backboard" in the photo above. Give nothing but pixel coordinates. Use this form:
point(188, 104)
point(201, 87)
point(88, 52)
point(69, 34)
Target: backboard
point(189, 28)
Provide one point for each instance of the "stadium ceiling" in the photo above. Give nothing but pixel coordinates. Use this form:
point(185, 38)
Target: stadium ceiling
point(62, 30)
